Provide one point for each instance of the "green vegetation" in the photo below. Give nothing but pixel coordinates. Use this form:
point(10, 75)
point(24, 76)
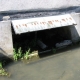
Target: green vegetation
point(26, 55)
point(3, 72)
point(53, 50)
point(19, 54)
point(0, 65)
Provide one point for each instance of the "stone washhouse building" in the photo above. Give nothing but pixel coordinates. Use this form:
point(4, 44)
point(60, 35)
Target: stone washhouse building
point(34, 15)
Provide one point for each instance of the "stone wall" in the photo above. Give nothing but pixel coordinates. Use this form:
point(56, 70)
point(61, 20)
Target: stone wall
point(10, 5)
point(6, 45)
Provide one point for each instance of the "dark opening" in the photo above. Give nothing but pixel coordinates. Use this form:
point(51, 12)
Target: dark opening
point(43, 40)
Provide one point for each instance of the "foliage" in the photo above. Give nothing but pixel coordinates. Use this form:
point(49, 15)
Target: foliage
point(19, 54)
point(53, 50)
point(0, 64)
point(26, 54)
point(3, 72)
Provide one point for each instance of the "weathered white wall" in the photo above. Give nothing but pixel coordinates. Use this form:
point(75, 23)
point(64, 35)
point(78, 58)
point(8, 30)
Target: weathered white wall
point(6, 5)
point(6, 45)
point(75, 30)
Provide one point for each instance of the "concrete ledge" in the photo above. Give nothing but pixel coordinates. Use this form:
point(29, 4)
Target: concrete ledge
point(6, 45)
point(10, 5)
point(75, 30)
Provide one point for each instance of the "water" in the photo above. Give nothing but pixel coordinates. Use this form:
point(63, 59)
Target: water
point(65, 65)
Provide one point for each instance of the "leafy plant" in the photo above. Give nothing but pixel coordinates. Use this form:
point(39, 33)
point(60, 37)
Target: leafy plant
point(3, 72)
point(26, 54)
point(17, 54)
point(53, 50)
point(0, 65)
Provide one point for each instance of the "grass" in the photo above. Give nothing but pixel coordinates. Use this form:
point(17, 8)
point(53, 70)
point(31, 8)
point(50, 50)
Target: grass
point(18, 54)
point(26, 55)
point(3, 72)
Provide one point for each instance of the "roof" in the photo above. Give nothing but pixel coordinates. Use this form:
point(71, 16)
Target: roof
point(42, 23)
